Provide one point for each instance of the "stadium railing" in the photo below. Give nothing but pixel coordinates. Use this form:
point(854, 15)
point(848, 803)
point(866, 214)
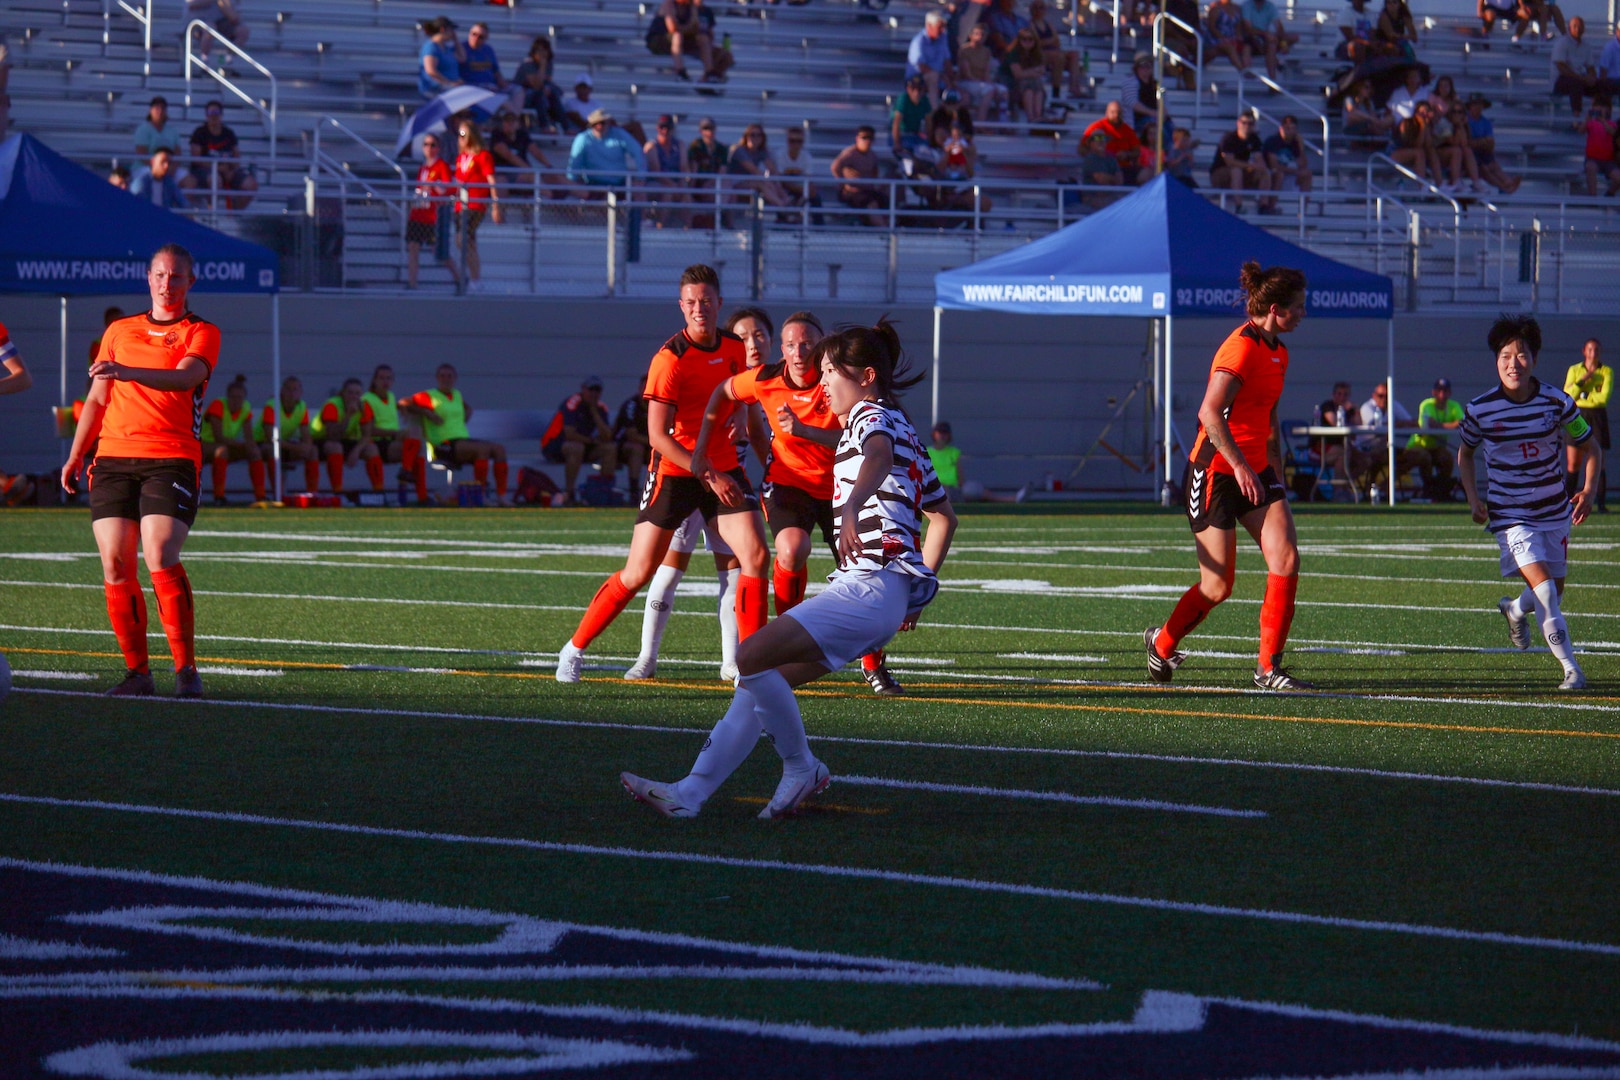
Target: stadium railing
point(265, 109)
point(1323, 151)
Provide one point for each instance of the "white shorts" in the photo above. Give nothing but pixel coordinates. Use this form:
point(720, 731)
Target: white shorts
point(1522, 545)
point(855, 615)
point(685, 538)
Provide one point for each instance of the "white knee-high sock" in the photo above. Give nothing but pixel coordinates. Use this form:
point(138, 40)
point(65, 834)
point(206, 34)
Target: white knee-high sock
point(778, 713)
point(727, 747)
point(660, 602)
point(1526, 603)
point(728, 616)
point(1553, 627)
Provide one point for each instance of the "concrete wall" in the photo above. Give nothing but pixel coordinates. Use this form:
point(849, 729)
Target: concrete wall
point(1013, 386)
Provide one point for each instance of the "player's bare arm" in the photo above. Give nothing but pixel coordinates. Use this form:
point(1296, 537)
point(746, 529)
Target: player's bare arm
point(1274, 443)
point(1589, 454)
point(1470, 484)
point(877, 459)
point(792, 425)
point(660, 419)
point(88, 431)
point(721, 405)
point(16, 379)
point(1222, 391)
point(941, 519)
point(759, 434)
point(190, 373)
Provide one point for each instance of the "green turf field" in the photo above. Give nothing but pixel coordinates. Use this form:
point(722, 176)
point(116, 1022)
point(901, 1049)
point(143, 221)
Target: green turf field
point(1432, 837)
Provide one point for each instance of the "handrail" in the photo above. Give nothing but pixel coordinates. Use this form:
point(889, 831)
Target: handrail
point(1198, 40)
point(219, 76)
point(144, 18)
point(1327, 175)
point(344, 128)
point(1456, 210)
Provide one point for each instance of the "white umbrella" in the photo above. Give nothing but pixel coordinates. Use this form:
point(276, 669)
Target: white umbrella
point(433, 115)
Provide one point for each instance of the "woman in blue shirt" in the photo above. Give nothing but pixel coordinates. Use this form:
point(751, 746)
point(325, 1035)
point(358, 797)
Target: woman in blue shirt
point(440, 67)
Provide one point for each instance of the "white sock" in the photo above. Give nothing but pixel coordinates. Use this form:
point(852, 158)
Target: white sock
point(1553, 627)
point(1526, 603)
point(727, 747)
point(660, 602)
point(728, 616)
point(778, 713)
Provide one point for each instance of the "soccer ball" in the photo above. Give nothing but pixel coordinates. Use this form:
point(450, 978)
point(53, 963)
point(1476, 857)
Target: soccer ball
point(5, 677)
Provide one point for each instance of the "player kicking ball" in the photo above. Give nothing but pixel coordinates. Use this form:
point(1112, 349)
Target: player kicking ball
point(1520, 428)
point(884, 486)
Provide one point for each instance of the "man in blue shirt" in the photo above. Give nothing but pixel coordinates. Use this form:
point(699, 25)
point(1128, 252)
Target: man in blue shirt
point(1003, 22)
point(157, 184)
point(606, 147)
point(1608, 64)
point(479, 67)
point(930, 57)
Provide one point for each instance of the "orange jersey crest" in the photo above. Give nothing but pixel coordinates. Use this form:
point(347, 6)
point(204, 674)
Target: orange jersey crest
point(145, 423)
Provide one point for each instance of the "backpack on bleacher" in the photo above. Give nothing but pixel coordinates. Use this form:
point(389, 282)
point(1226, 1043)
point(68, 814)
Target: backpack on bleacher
point(534, 488)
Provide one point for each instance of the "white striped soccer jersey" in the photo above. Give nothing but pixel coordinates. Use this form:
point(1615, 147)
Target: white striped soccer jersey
point(1523, 445)
point(890, 522)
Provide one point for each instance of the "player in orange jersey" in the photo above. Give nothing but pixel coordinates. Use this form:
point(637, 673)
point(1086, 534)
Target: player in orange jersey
point(146, 408)
point(680, 381)
point(228, 426)
point(1236, 478)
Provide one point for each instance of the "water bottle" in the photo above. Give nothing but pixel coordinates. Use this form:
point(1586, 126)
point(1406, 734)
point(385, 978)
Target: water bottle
point(1338, 416)
point(1376, 494)
point(725, 42)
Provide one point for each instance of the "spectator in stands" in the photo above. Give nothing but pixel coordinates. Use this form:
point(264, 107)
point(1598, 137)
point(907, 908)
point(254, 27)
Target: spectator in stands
point(975, 75)
point(227, 16)
point(1060, 62)
point(929, 57)
point(603, 153)
point(1240, 163)
point(678, 29)
point(1430, 454)
point(1608, 64)
point(118, 177)
point(1600, 149)
point(1285, 157)
point(290, 415)
point(154, 132)
point(751, 157)
point(1179, 157)
point(1574, 66)
point(444, 413)
point(1356, 25)
point(439, 60)
point(951, 115)
point(1589, 383)
point(518, 154)
point(1396, 32)
point(797, 161)
point(1098, 166)
point(578, 107)
point(1409, 147)
point(906, 119)
point(1443, 96)
point(540, 93)
point(216, 142)
point(1403, 103)
point(1003, 23)
point(475, 189)
point(578, 434)
point(480, 67)
point(1451, 136)
point(856, 163)
point(1266, 32)
point(1139, 96)
point(1024, 68)
point(1122, 143)
point(1181, 41)
point(156, 183)
point(1340, 411)
point(1363, 120)
point(428, 222)
point(706, 158)
point(666, 169)
point(1375, 413)
point(1482, 140)
point(1223, 25)
point(630, 435)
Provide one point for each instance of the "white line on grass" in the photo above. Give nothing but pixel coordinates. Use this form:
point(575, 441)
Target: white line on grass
point(853, 740)
point(1048, 796)
point(899, 877)
point(65, 676)
point(1067, 658)
point(248, 672)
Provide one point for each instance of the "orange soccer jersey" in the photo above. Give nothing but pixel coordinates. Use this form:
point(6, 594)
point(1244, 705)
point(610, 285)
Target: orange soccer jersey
point(144, 423)
point(684, 375)
point(798, 462)
point(1260, 369)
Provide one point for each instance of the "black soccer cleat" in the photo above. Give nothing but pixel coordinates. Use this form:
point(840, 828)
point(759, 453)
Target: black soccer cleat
point(881, 682)
point(1278, 678)
point(1162, 668)
point(187, 683)
point(135, 684)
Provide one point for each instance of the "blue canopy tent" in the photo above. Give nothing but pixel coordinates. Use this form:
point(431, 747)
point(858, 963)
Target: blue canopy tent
point(1163, 251)
point(66, 231)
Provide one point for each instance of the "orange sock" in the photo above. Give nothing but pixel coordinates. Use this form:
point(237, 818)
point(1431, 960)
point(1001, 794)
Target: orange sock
point(256, 471)
point(173, 590)
point(500, 479)
point(220, 465)
point(312, 475)
point(481, 471)
point(609, 600)
point(872, 660)
point(334, 470)
point(788, 586)
point(753, 605)
point(1190, 611)
point(374, 472)
point(126, 610)
point(1276, 616)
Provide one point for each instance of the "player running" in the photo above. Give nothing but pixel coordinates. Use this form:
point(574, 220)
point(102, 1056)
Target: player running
point(884, 487)
point(343, 427)
point(680, 380)
point(444, 414)
point(1520, 428)
point(146, 407)
point(227, 433)
point(1236, 478)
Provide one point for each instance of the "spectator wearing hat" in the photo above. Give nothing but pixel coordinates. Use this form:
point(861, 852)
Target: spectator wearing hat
point(1430, 454)
point(929, 57)
point(1059, 61)
point(603, 153)
point(911, 109)
point(854, 164)
point(706, 158)
point(581, 104)
point(1139, 96)
point(1098, 166)
point(666, 169)
point(1265, 30)
point(1482, 141)
point(439, 61)
point(976, 76)
point(581, 433)
point(154, 132)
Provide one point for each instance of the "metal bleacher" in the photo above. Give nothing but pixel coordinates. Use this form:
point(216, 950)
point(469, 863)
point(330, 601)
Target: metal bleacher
point(82, 76)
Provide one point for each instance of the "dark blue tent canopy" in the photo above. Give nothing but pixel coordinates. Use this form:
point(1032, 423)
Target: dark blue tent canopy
point(1163, 250)
point(66, 231)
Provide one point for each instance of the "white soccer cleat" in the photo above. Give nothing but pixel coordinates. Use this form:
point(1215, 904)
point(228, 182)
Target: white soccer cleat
point(645, 667)
point(1518, 625)
point(1573, 680)
point(729, 673)
point(570, 661)
point(794, 789)
point(658, 796)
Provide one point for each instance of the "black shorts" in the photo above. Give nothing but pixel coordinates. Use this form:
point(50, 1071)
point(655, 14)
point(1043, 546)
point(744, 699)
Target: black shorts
point(445, 452)
point(382, 442)
point(425, 233)
point(789, 507)
point(348, 445)
point(1599, 420)
point(133, 488)
point(666, 501)
point(1214, 500)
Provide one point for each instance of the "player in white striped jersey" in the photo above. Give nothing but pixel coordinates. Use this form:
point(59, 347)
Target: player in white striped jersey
point(1520, 428)
point(885, 488)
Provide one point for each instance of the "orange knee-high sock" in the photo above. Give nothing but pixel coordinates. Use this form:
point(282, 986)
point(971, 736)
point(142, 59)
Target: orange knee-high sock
point(374, 472)
point(334, 470)
point(173, 590)
point(500, 479)
point(609, 600)
point(481, 471)
point(753, 605)
point(789, 587)
point(220, 465)
point(126, 610)
point(1276, 616)
point(1190, 611)
point(312, 475)
point(256, 471)
point(872, 660)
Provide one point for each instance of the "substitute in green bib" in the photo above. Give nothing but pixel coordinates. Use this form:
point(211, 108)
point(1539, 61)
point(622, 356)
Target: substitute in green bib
point(292, 416)
point(444, 414)
point(393, 444)
point(343, 429)
point(227, 436)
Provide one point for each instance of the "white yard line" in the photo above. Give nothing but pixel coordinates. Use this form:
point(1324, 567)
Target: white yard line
point(1047, 796)
point(64, 676)
point(1068, 658)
